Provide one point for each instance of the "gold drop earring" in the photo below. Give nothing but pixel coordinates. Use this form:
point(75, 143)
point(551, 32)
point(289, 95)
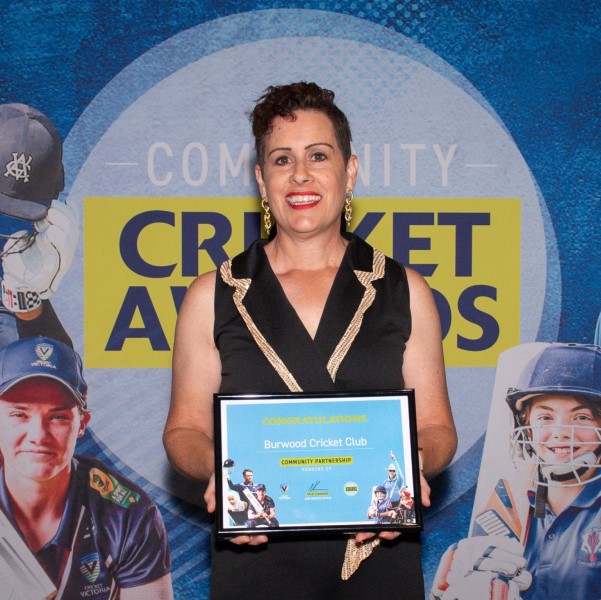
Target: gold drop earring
point(266, 216)
point(348, 207)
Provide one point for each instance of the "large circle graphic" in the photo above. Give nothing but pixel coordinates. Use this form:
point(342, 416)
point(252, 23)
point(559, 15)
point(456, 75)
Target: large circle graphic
point(193, 91)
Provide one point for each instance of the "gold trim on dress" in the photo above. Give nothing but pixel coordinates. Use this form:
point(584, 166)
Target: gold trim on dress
point(366, 278)
point(241, 287)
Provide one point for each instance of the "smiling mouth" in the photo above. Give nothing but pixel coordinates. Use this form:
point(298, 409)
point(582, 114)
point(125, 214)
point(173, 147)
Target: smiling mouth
point(563, 451)
point(303, 199)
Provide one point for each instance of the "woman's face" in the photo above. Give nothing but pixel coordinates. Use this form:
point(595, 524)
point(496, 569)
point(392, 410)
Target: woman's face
point(560, 423)
point(304, 177)
point(39, 426)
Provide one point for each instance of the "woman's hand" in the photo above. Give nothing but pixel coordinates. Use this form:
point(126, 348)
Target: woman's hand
point(363, 536)
point(209, 496)
point(425, 488)
point(251, 540)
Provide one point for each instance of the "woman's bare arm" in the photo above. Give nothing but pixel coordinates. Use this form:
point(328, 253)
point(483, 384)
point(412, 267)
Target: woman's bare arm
point(424, 371)
point(196, 376)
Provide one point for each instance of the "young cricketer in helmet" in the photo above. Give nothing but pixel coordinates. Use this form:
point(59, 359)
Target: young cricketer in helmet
point(556, 444)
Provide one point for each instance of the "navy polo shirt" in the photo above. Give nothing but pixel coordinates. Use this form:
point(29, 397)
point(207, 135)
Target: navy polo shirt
point(111, 535)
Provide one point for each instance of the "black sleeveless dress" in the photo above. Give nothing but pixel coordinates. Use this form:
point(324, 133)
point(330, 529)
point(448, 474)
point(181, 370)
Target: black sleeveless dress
point(359, 345)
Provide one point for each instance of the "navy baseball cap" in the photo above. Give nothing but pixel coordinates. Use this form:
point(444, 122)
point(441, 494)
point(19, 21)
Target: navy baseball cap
point(260, 486)
point(42, 357)
point(31, 167)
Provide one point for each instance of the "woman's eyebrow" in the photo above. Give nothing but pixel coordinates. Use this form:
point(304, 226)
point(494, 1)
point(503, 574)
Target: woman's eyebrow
point(288, 149)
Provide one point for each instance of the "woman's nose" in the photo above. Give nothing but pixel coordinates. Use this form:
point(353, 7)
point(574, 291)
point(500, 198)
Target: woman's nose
point(300, 173)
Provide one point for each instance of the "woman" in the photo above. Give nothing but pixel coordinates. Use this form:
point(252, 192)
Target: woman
point(311, 287)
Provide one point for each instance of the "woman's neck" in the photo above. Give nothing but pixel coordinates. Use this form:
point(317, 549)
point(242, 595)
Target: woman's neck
point(288, 253)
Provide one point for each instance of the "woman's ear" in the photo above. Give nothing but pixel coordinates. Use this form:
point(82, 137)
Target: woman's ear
point(352, 168)
point(260, 182)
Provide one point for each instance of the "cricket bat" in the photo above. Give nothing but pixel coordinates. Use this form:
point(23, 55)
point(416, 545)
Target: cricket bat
point(499, 516)
point(255, 503)
point(20, 572)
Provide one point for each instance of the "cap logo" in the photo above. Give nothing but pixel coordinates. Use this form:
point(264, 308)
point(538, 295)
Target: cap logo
point(44, 351)
point(19, 167)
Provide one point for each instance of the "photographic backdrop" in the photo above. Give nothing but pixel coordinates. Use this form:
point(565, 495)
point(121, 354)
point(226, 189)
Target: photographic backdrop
point(476, 125)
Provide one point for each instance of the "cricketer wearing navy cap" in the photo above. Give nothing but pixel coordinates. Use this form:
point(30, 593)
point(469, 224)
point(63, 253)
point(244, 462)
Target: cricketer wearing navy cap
point(38, 232)
point(31, 154)
point(42, 357)
point(94, 532)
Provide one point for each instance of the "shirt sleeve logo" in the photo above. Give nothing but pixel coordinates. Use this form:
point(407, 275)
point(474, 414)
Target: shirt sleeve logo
point(111, 489)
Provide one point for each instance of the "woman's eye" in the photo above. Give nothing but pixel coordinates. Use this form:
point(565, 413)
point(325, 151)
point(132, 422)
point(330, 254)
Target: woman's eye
point(281, 160)
point(319, 156)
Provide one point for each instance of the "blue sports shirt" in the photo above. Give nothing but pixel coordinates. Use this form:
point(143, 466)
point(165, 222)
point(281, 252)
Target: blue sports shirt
point(564, 550)
point(111, 535)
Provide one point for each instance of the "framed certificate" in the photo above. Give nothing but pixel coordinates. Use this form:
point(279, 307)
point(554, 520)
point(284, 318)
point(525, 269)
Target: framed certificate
point(314, 463)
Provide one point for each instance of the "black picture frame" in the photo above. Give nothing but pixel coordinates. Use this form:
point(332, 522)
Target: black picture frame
point(322, 455)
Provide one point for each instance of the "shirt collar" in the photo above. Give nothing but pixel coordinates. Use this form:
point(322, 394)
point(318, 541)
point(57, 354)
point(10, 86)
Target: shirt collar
point(588, 495)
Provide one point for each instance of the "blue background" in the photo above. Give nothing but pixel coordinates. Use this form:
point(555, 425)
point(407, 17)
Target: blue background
point(536, 63)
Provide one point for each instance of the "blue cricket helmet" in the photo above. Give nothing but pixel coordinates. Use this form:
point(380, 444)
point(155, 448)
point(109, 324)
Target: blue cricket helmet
point(572, 369)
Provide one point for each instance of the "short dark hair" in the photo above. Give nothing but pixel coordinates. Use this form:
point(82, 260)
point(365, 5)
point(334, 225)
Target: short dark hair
point(284, 100)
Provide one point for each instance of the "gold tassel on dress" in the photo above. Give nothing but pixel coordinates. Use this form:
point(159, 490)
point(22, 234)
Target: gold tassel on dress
point(355, 553)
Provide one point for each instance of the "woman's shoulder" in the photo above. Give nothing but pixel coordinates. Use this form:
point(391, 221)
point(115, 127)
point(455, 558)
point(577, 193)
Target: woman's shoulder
point(199, 297)
point(416, 282)
point(204, 284)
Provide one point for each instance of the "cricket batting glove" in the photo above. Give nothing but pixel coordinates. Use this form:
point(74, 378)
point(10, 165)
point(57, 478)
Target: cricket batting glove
point(488, 567)
point(35, 266)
